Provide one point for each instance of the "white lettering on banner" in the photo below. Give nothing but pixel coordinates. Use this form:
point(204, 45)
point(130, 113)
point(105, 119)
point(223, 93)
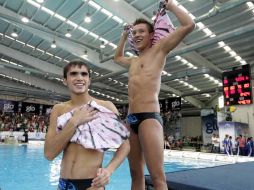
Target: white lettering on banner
point(8, 106)
point(30, 108)
point(175, 104)
point(209, 127)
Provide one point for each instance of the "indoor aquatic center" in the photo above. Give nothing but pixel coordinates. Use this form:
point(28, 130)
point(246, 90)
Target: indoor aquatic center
point(202, 99)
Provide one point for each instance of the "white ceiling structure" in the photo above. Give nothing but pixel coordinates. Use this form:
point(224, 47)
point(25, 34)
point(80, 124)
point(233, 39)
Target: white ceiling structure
point(30, 67)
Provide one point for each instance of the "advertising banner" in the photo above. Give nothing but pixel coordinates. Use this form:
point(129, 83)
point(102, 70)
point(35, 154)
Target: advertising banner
point(170, 104)
point(174, 104)
point(24, 107)
point(31, 108)
point(209, 125)
point(8, 106)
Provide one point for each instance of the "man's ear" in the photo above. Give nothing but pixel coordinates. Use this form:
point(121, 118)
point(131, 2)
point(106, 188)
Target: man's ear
point(89, 82)
point(151, 35)
point(64, 82)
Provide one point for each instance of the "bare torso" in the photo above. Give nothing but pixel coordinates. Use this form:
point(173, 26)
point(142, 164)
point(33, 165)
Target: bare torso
point(79, 162)
point(144, 82)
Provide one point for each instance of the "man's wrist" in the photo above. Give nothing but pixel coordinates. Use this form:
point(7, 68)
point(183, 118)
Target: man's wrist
point(73, 123)
point(124, 34)
point(110, 170)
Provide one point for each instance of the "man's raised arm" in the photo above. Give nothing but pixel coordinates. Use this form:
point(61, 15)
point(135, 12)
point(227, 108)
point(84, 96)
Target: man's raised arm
point(119, 54)
point(186, 26)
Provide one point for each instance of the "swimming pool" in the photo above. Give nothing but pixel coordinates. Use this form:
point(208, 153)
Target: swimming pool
point(25, 168)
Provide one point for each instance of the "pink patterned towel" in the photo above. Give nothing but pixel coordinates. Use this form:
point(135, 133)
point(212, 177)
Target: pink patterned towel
point(162, 27)
point(104, 132)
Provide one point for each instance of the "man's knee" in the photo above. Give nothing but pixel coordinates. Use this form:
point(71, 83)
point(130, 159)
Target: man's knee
point(136, 173)
point(159, 180)
point(158, 176)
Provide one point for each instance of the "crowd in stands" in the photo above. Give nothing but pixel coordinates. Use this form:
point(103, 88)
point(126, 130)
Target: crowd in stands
point(23, 122)
point(170, 142)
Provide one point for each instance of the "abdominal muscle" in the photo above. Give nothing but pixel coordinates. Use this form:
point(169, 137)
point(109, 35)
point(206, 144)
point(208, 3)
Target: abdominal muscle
point(143, 94)
point(80, 163)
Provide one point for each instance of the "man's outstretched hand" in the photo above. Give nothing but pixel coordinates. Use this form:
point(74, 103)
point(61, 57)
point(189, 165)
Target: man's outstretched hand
point(102, 178)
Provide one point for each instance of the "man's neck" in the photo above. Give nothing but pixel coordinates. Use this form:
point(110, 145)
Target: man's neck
point(80, 99)
point(142, 52)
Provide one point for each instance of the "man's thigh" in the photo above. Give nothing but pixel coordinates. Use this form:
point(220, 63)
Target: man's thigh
point(135, 157)
point(151, 139)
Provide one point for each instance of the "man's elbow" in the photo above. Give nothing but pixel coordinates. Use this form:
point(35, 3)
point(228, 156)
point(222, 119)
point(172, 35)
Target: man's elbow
point(48, 155)
point(117, 58)
point(126, 145)
point(190, 27)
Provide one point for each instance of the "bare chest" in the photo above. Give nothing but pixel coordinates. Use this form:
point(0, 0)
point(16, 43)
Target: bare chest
point(139, 68)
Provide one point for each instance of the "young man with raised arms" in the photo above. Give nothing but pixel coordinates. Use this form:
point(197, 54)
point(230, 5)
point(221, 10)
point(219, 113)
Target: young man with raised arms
point(146, 139)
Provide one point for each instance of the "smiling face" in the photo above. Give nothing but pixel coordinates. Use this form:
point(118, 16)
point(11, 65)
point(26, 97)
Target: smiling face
point(77, 79)
point(141, 36)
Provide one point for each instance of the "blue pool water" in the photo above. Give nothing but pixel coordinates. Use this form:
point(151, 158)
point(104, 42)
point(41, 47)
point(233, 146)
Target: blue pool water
point(25, 168)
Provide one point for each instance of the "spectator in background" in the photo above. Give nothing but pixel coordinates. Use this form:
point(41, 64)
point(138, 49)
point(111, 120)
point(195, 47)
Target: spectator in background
point(215, 144)
point(230, 145)
point(179, 144)
point(237, 148)
point(25, 137)
point(225, 144)
point(249, 147)
point(242, 144)
point(166, 143)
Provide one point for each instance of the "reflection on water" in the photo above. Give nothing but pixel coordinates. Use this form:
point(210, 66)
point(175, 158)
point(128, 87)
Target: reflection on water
point(54, 172)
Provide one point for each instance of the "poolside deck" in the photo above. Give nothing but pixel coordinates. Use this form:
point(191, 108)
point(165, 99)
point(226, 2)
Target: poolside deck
point(227, 177)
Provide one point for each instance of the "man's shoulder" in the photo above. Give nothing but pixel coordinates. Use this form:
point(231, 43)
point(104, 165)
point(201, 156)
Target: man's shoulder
point(107, 104)
point(60, 107)
point(62, 104)
point(104, 103)
point(132, 59)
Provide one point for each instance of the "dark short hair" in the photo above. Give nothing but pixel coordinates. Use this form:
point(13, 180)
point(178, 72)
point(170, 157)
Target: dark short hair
point(74, 63)
point(144, 21)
